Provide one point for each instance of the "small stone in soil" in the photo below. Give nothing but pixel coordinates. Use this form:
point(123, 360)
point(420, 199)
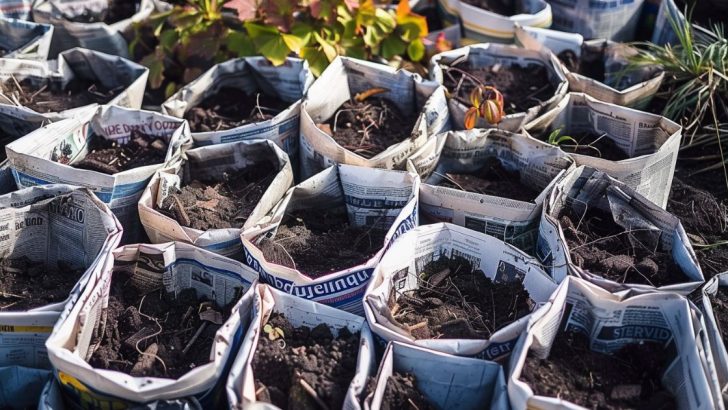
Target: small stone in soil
point(49, 97)
point(402, 392)
point(25, 284)
point(454, 301)
point(492, 179)
point(231, 108)
point(109, 157)
point(220, 205)
point(286, 366)
point(318, 242)
point(629, 378)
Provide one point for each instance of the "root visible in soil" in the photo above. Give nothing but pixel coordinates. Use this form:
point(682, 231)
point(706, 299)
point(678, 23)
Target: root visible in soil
point(594, 145)
point(369, 126)
point(109, 157)
point(506, 8)
point(231, 108)
point(599, 245)
point(628, 379)
point(402, 393)
point(522, 87)
point(318, 242)
point(492, 179)
point(456, 302)
point(25, 284)
point(155, 334)
point(222, 204)
point(50, 98)
point(304, 368)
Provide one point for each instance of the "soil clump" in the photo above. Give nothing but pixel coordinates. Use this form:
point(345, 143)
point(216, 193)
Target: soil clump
point(506, 8)
point(491, 179)
point(50, 97)
point(402, 393)
point(109, 157)
point(232, 107)
point(25, 284)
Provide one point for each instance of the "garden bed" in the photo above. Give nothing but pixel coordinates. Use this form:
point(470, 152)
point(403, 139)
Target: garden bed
point(232, 107)
point(48, 97)
point(110, 157)
point(491, 179)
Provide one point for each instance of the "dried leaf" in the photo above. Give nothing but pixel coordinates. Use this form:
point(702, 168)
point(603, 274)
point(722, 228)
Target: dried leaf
point(370, 92)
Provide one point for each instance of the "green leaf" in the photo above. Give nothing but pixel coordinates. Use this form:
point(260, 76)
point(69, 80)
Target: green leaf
point(302, 31)
point(317, 60)
point(393, 46)
point(293, 42)
point(385, 21)
point(240, 44)
point(356, 51)
point(372, 36)
point(274, 49)
point(170, 89)
point(156, 70)
point(168, 39)
point(410, 31)
point(416, 50)
point(258, 30)
point(328, 49)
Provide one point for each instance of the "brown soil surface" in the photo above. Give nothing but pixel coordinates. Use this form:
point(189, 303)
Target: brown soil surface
point(25, 284)
point(288, 361)
point(522, 87)
point(158, 324)
point(222, 204)
point(597, 244)
point(505, 8)
point(402, 393)
point(628, 379)
point(231, 108)
point(108, 157)
point(370, 126)
point(318, 242)
point(593, 68)
point(720, 311)
point(492, 179)
point(117, 10)
point(594, 145)
point(456, 302)
point(50, 98)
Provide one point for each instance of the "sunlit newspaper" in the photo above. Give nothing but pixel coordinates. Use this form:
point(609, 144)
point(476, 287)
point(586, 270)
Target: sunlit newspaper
point(612, 321)
point(175, 266)
point(25, 39)
point(717, 346)
point(615, 20)
point(487, 26)
point(398, 270)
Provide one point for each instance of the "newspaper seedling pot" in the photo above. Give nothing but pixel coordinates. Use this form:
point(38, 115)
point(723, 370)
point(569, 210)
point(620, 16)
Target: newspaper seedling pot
point(367, 114)
point(494, 25)
point(302, 353)
point(491, 181)
point(635, 147)
point(473, 265)
point(660, 333)
point(83, 345)
point(599, 229)
point(251, 76)
point(441, 380)
point(323, 240)
point(714, 304)
point(529, 81)
point(615, 22)
point(53, 153)
point(214, 193)
point(24, 39)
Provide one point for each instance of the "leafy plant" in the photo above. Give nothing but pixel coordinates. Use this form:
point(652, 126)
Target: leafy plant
point(555, 138)
point(487, 103)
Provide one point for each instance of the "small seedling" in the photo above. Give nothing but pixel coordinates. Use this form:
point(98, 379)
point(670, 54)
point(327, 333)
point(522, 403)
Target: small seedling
point(486, 102)
point(555, 138)
point(273, 333)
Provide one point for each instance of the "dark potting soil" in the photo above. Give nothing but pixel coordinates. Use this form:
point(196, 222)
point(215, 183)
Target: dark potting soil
point(702, 12)
point(522, 87)
point(505, 8)
point(599, 245)
point(109, 157)
point(175, 334)
point(592, 69)
point(222, 204)
point(627, 379)
point(25, 284)
point(293, 366)
point(594, 145)
point(50, 98)
point(370, 126)
point(232, 107)
point(720, 311)
point(456, 302)
point(402, 393)
point(492, 179)
point(318, 242)
point(117, 10)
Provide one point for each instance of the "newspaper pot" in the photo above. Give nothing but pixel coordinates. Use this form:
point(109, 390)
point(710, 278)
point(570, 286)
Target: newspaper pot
point(614, 21)
point(465, 152)
point(713, 328)
point(584, 189)
point(374, 198)
point(630, 88)
point(342, 80)
point(36, 159)
point(97, 35)
point(111, 72)
point(490, 54)
point(210, 163)
point(650, 142)
point(400, 266)
point(449, 382)
point(177, 266)
point(241, 389)
point(24, 39)
point(16, 9)
point(610, 321)
point(288, 82)
point(487, 26)
point(7, 182)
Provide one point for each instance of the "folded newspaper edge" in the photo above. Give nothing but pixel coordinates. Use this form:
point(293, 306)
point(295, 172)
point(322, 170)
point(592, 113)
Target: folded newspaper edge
point(717, 346)
point(484, 26)
point(631, 317)
point(24, 39)
point(491, 54)
point(616, 21)
point(177, 264)
point(240, 385)
point(497, 260)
